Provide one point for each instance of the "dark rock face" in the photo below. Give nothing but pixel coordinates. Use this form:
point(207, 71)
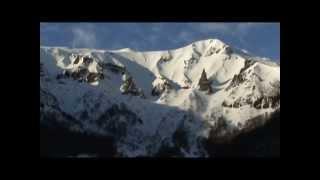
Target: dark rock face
point(67, 74)
point(212, 51)
point(156, 91)
point(160, 88)
point(261, 102)
point(228, 50)
point(237, 104)
point(248, 63)
point(117, 119)
point(240, 78)
point(82, 73)
point(263, 141)
point(236, 80)
point(129, 87)
point(77, 60)
point(92, 77)
point(204, 83)
point(224, 104)
point(267, 101)
point(165, 58)
point(79, 74)
point(258, 103)
point(87, 60)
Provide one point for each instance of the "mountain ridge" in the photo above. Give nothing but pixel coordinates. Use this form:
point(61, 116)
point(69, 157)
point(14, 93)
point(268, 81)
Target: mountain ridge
point(161, 89)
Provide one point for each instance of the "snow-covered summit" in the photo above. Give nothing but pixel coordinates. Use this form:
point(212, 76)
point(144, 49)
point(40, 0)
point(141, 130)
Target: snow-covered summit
point(143, 98)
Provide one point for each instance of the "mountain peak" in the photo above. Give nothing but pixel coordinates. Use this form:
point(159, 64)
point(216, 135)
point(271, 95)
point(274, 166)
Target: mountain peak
point(144, 100)
point(208, 42)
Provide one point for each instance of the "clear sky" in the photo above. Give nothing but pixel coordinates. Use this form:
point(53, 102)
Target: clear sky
point(261, 39)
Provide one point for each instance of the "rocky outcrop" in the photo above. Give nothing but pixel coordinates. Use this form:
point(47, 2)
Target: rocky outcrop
point(194, 59)
point(262, 102)
point(160, 85)
point(212, 51)
point(81, 73)
point(76, 61)
point(241, 76)
point(165, 58)
point(228, 50)
point(236, 80)
point(267, 102)
point(87, 60)
point(204, 84)
point(259, 98)
point(128, 86)
point(247, 63)
point(92, 77)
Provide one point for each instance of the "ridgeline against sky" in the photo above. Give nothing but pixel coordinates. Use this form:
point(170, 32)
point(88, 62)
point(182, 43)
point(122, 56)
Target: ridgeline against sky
point(261, 39)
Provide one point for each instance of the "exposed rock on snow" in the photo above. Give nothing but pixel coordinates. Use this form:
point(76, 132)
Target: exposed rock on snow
point(204, 83)
point(160, 85)
point(157, 103)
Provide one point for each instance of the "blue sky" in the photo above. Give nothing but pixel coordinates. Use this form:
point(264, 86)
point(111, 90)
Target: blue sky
point(262, 39)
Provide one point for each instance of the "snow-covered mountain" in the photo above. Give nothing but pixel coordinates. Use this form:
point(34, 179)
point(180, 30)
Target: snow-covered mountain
point(148, 101)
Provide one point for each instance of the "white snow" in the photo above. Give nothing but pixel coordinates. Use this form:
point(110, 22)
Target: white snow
point(145, 68)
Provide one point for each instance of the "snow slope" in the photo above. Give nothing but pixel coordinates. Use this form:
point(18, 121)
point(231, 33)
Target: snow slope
point(244, 87)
